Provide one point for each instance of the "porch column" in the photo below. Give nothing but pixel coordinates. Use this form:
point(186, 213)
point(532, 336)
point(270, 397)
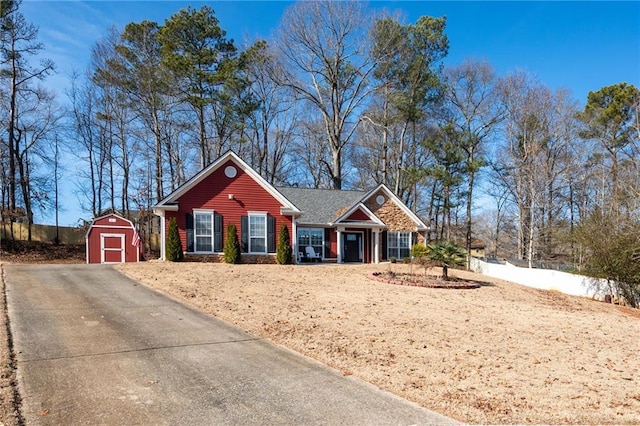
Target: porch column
point(163, 237)
point(376, 246)
point(294, 239)
point(339, 232)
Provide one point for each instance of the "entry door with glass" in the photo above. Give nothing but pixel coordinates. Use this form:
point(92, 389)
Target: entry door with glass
point(352, 244)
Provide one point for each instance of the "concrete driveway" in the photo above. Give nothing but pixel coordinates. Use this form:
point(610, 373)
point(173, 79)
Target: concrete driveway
point(94, 347)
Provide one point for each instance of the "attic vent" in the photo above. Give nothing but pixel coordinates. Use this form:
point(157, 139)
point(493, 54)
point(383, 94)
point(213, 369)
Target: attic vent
point(112, 220)
point(230, 172)
point(380, 200)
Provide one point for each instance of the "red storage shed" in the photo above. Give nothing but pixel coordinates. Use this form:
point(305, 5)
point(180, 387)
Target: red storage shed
point(112, 239)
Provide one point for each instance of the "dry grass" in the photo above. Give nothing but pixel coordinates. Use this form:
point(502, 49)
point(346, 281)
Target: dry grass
point(502, 353)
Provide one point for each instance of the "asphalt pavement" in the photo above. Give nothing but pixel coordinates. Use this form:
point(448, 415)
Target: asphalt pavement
point(96, 348)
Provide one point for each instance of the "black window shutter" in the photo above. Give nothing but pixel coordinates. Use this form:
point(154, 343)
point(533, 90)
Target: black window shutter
point(384, 245)
point(217, 232)
point(244, 234)
point(327, 242)
point(414, 238)
point(190, 239)
point(271, 234)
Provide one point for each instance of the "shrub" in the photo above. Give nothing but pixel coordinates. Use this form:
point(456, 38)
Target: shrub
point(392, 259)
point(283, 251)
point(231, 246)
point(173, 246)
point(406, 260)
point(419, 250)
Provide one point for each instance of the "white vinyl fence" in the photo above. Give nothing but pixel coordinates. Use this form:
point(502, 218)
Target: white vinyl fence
point(544, 279)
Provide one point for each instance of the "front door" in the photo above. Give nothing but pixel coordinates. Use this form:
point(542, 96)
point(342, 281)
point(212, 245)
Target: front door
point(352, 245)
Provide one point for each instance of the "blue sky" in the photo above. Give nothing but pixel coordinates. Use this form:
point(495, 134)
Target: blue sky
point(581, 46)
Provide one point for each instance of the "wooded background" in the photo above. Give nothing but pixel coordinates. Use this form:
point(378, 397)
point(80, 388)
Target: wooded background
point(341, 97)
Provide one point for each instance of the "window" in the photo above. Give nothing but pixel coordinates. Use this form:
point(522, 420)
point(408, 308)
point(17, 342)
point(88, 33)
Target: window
point(257, 233)
point(203, 231)
point(311, 237)
point(398, 244)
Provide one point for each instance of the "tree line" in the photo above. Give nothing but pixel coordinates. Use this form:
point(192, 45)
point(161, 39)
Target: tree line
point(341, 96)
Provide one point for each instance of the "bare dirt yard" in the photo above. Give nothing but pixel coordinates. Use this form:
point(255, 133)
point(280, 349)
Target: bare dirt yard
point(498, 354)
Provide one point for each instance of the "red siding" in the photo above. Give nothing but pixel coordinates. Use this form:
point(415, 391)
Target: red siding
point(114, 225)
point(212, 193)
point(358, 215)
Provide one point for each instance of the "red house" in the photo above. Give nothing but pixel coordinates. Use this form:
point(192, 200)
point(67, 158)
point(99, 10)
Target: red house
point(112, 239)
point(325, 225)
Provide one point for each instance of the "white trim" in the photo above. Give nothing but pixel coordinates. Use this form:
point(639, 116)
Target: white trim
point(398, 248)
point(93, 225)
point(165, 204)
point(361, 246)
point(305, 247)
point(101, 226)
point(112, 227)
point(420, 225)
point(163, 237)
point(122, 248)
point(263, 215)
point(210, 212)
point(294, 245)
point(375, 219)
point(376, 246)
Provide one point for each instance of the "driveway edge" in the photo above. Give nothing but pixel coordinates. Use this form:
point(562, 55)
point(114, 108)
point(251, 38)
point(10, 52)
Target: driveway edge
point(10, 400)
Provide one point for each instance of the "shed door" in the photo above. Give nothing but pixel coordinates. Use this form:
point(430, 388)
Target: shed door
point(112, 248)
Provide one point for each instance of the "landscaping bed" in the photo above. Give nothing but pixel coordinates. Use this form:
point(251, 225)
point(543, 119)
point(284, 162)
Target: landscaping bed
point(423, 280)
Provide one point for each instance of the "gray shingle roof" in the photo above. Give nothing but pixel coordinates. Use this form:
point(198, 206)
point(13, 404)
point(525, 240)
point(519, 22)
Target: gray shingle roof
point(321, 206)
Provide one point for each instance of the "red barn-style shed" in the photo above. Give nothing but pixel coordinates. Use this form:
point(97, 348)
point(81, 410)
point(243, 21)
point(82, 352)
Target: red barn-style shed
point(112, 239)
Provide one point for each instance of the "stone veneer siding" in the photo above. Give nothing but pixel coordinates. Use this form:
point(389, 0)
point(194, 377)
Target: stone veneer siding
point(392, 215)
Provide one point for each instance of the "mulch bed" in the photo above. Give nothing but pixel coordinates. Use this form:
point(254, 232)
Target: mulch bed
point(419, 280)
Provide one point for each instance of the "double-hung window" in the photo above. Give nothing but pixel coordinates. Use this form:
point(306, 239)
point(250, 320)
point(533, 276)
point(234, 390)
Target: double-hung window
point(203, 230)
point(398, 244)
point(257, 232)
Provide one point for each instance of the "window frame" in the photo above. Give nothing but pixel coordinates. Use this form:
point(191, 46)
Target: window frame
point(393, 244)
point(203, 212)
point(250, 236)
point(319, 249)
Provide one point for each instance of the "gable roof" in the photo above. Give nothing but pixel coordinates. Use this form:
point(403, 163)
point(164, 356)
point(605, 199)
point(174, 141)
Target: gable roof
point(168, 203)
point(321, 206)
point(421, 226)
point(373, 219)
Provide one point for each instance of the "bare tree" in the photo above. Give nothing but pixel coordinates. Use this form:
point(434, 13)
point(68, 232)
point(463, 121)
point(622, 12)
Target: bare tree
point(18, 43)
point(474, 110)
point(325, 45)
point(527, 130)
point(274, 121)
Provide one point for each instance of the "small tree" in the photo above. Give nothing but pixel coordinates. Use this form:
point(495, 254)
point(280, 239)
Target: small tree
point(419, 250)
point(283, 251)
point(231, 246)
point(447, 253)
point(611, 251)
point(173, 246)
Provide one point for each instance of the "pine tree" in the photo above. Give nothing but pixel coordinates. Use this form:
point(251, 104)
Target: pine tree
point(283, 251)
point(173, 246)
point(231, 246)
